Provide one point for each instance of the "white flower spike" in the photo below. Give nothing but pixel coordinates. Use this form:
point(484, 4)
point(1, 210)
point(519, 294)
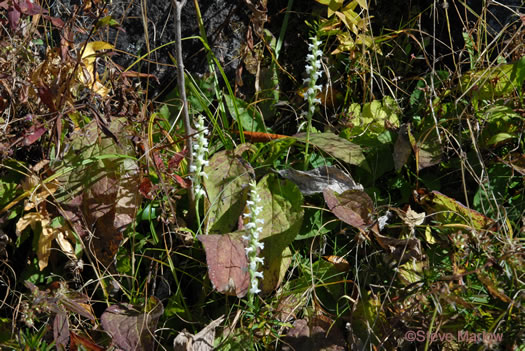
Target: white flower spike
point(253, 229)
point(200, 153)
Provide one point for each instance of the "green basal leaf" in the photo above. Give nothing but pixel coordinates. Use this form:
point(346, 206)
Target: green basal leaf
point(501, 124)
point(226, 187)
point(250, 119)
point(282, 213)
point(337, 147)
point(495, 81)
point(373, 118)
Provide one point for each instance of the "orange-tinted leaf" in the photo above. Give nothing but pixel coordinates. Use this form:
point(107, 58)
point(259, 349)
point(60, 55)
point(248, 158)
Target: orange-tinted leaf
point(182, 182)
point(492, 288)
point(146, 188)
point(340, 263)
point(227, 263)
point(78, 340)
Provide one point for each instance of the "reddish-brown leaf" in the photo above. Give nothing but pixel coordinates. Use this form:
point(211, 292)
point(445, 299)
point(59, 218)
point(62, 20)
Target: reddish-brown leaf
point(34, 136)
point(131, 328)
point(14, 17)
point(176, 159)
point(146, 188)
point(78, 340)
point(182, 182)
point(227, 264)
point(353, 207)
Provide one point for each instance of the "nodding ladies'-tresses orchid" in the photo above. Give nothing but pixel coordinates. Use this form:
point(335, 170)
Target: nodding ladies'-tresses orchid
point(254, 228)
point(313, 69)
point(200, 151)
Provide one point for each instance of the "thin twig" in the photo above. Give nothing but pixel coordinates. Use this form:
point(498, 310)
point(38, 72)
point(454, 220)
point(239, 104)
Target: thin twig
point(178, 5)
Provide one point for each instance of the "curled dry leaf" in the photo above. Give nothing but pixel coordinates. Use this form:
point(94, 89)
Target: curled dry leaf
point(412, 218)
point(63, 235)
point(85, 73)
point(202, 341)
point(318, 179)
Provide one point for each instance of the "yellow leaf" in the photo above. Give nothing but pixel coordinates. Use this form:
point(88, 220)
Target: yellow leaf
point(44, 243)
point(428, 235)
point(362, 3)
point(28, 219)
point(85, 73)
point(88, 56)
point(48, 234)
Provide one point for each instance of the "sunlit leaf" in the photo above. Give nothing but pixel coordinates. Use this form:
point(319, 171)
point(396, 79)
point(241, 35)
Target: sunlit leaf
point(495, 81)
point(282, 213)
point(226, 186)
point(227, 263)
point(337, 147)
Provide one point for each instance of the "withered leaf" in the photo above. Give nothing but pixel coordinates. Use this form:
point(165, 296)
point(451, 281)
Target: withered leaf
point(318, 334)
point(100, 188)
point(402, 148)
point(34, 135)
point(227, 263)
point(130, 328)
point(449, 210)
point(319, 179)
point(353, 207)
point(202, 341)
point(61, 331)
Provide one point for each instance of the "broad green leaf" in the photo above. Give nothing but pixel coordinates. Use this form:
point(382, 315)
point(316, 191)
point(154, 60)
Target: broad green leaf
point(226, 183)
point(282, 213)
point(250, 119)
point(373, 118)
point(337, 147)
point(368, 314)
point(495, 81)
point(501, 124)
